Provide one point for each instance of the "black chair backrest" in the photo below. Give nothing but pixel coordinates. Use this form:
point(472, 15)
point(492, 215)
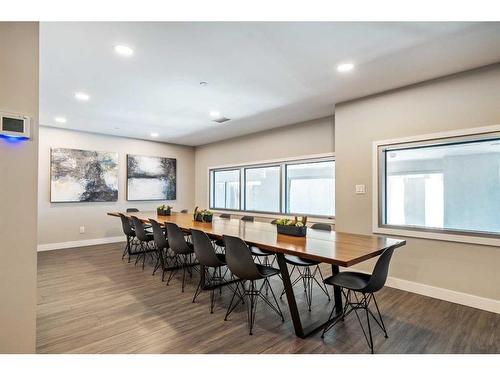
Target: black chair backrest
point(176, 238)
point(127, 227)
point(322, 226)
point(184, 211)
point(225, 216)
point(203, 248)
point(380, 271)
point(132, 210)
point(239, 259)
point(139, 229)
point(247, 218)
point(158, 235)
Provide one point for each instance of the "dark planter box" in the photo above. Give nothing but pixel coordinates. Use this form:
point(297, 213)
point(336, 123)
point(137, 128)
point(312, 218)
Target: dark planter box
point(203, 218)
point(163, 212)
point(290, 230)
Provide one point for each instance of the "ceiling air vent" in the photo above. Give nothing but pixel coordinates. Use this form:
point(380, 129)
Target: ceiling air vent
point(220, 120)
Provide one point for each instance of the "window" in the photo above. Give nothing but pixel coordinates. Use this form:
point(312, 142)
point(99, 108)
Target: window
point(449, 185)
point(310, 188)
point(262, 189)
point(302, 187)
point(226, 189)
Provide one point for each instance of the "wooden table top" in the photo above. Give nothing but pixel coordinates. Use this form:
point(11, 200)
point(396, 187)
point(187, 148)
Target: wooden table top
point(338, 248)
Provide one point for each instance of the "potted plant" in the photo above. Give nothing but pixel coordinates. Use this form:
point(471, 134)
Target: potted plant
point(293, 227)
point(204, 216)
point(164, 210)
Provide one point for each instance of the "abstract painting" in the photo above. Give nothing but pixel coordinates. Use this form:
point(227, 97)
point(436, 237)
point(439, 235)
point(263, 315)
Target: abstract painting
point(151, 178)
point(83, 176)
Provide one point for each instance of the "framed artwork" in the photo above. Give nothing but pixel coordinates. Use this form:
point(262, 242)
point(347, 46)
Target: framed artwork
point(151, 178)
point(83, 176)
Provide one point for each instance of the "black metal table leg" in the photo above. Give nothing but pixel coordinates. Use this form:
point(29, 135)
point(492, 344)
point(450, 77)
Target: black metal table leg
point(337, 293)
point(312, 327)
point(290, 296)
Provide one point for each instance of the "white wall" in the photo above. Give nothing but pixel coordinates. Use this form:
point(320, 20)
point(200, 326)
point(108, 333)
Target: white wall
point(463, 101)
point(60, 222)
point(303, 139)
point(18, 193)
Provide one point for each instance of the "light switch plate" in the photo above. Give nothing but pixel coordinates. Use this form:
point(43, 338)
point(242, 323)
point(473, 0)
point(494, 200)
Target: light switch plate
point(360, 189)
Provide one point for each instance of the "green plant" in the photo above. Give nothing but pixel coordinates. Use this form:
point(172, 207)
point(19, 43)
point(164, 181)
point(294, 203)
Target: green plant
point(292, 222)
point(206, 213)
point(165, 207)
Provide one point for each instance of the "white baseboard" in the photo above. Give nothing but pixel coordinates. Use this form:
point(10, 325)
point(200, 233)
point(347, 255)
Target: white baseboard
point(449, 295)
point(73, 244)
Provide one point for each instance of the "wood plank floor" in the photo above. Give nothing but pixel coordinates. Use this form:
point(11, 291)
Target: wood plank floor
point(90, 301)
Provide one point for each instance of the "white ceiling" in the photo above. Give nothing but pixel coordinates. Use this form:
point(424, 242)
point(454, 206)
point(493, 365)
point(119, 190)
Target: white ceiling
point(261, 75)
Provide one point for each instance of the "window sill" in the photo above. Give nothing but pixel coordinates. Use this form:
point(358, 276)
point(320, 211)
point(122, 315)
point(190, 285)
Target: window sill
point(439, 236)
point(310, 219)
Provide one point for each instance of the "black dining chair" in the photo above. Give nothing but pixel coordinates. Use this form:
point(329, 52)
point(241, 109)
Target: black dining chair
point(162, 247)
point(144, 239)
point(257, 252)
point(220, 243)
point(322, 226)
point(306, 275)
point(241, 264)
point(211, 263)
point(361, 289)
point(183, 251)
point(129, 232)
point(184, 211)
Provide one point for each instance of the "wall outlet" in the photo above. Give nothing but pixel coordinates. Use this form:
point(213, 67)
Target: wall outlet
point(82, 229)
point(360, 189)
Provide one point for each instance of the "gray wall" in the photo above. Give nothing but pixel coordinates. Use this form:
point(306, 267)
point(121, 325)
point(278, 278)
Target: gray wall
point(306, 138)
point(18, 193)
point(463, 101)
point(58, 222)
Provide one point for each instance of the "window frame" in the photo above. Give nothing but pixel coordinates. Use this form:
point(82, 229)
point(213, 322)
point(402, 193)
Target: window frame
point(285, 187)
point(280, 187)
point(379, 167)
point(263, 164)
point(212, 190)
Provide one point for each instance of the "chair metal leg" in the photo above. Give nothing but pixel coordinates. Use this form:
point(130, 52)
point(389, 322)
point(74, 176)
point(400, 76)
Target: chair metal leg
point(232, 304)
point(380, 317)
point(324, 287)
point(252, 308)
point(127, 247)
point(369, 326)
point(173, 271)
point(280, 313)
point(198, 289)
point(184, 273)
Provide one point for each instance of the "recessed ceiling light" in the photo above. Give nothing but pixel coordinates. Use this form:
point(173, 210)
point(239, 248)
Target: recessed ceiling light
point(60, 119)
point(124, 50)
point(82, 96)
point(344, 68)
point(154, 135)
point(214, 114)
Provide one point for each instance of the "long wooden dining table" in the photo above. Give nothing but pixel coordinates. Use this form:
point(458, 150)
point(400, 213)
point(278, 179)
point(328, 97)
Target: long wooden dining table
point(338, 249)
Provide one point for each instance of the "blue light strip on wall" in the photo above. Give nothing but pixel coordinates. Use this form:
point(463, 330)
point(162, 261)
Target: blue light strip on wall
point(13, 138)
